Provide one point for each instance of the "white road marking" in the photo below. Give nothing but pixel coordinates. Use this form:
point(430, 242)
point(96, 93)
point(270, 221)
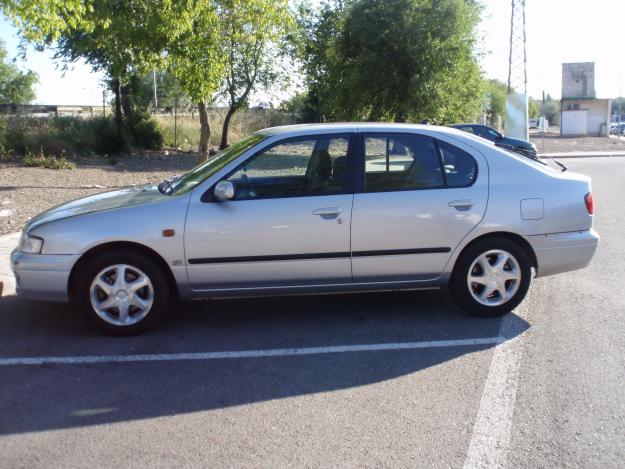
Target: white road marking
point(491, 433)
point(17, 361)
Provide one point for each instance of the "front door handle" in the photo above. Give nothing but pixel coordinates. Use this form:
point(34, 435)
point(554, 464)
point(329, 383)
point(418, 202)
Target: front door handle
point(461, 204)
point(328, 212)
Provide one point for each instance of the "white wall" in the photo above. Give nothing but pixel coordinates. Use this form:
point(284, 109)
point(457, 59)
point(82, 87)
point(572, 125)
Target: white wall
point(574, 122)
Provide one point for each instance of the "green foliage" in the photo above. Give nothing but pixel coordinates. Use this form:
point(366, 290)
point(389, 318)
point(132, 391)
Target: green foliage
point(301, 107)
point(533, 108)
point(252, 31)
point(194, 54)
point(496, 92)
point(618, 105)
point(552, 110)
point(167, 91)
point(16, 87)
point(44, 21)
point(63, 136)
point(145, 132)
point(315, 46)
point(40, 160)
point(401, 60)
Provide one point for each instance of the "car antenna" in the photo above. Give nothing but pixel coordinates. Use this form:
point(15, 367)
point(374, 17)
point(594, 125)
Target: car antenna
point(564, 168)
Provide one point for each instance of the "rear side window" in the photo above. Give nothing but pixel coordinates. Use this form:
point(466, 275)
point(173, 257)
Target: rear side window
point(401, 162)
point(460, 167)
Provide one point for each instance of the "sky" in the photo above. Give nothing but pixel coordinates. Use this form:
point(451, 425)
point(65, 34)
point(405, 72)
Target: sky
point(557, 31)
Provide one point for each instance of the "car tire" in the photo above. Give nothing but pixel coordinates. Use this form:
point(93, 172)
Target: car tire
point(123, 292)
point(491, 277)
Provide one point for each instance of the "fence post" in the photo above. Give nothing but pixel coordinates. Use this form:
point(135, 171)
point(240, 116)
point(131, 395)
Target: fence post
point(176, 122)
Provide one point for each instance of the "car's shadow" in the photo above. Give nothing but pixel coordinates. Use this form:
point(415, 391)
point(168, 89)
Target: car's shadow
point(37, 398)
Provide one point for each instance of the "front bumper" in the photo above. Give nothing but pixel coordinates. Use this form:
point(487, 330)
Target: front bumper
point(41, 276)
point(562, 252)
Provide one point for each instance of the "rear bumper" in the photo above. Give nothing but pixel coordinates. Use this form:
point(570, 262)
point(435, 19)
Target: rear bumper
point(42, 277)
point(562, 252)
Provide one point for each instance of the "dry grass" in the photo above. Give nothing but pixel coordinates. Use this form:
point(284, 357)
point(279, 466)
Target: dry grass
point(187, 127)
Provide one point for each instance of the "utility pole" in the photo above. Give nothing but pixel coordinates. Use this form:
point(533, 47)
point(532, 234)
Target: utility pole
point(516, 101)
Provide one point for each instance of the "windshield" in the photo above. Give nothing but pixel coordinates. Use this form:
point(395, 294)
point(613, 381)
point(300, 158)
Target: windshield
point(200, 173)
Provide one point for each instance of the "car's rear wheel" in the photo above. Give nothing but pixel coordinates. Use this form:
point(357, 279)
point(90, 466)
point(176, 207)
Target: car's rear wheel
point(491, 277)
point(124, 293)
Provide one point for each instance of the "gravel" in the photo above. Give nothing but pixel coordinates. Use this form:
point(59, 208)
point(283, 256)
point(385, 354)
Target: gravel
point(25, 192)
point(557, 144)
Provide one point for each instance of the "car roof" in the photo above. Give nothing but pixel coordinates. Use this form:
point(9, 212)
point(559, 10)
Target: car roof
point(303, 129)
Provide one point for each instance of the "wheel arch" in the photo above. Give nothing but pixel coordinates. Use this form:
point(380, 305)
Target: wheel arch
point(136, 247)
point(518, 239)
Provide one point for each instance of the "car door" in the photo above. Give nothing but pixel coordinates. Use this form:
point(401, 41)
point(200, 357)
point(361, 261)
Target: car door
point(287, 224)
point(419, 197)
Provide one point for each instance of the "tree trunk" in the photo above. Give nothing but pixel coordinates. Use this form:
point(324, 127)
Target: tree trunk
point(126, 102)
point(118, 106)
point(205, 132)
point(224, 132)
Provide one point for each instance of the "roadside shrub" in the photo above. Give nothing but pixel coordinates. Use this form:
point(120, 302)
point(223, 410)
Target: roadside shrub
point(145, 132)
point(107, 140)
point(49, 162)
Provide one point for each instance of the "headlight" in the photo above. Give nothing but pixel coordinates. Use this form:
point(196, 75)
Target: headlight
point(30, 244)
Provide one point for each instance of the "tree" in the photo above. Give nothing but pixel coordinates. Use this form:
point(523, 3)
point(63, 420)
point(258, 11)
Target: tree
point(168, 90)
point(124, 37)
point(44, 21)
point(16, 87)
point(194, 59)
point(552, 110)
point(401, 60)
point(315, 47)
point(533, 108)
point(251, 30)
point(496, 91)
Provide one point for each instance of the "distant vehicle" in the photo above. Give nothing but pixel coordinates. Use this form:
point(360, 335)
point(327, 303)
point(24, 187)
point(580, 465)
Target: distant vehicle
point(617, 129)
point(533, 123)
point(315, 208)
point(263, 105)
point(516, 145)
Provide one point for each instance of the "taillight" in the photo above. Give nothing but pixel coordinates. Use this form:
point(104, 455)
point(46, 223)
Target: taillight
point(590, 204)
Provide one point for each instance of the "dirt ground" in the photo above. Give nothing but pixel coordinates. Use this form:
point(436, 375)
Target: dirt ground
point(25, 192)
point(557, 144)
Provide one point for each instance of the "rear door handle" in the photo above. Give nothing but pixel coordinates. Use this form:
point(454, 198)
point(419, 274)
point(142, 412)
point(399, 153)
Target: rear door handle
point(328, 212)
point(459, 204)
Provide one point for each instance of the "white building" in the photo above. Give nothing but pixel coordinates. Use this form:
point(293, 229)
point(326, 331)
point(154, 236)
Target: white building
point(582, 114)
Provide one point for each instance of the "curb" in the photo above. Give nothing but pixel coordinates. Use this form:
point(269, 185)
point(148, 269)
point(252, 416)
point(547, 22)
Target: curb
point(582, 154)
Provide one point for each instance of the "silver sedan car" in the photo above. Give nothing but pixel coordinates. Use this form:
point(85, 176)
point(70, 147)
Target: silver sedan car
point(315, 208)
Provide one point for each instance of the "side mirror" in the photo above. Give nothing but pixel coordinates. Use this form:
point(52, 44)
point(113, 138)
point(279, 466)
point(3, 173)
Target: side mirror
point(224, 190)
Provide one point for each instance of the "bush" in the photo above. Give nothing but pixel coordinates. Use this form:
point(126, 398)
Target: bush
point(49, 162)
point(145, 132)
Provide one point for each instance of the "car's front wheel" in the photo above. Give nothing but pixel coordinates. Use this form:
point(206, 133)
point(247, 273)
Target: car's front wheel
point(124, 293)
point(491, 277)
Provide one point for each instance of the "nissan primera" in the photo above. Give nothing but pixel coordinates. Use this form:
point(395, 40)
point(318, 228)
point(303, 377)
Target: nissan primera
point(315, 208)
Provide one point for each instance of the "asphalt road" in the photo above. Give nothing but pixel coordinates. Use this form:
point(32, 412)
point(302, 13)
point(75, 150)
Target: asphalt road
point(548, 393)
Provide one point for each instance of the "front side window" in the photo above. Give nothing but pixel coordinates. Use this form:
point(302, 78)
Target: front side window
point(200, 173)
point(401, 162)
point(300, 167)
point(460, 167)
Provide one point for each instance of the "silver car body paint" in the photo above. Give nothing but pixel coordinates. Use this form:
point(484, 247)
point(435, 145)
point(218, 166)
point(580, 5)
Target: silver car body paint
point(323, 251)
